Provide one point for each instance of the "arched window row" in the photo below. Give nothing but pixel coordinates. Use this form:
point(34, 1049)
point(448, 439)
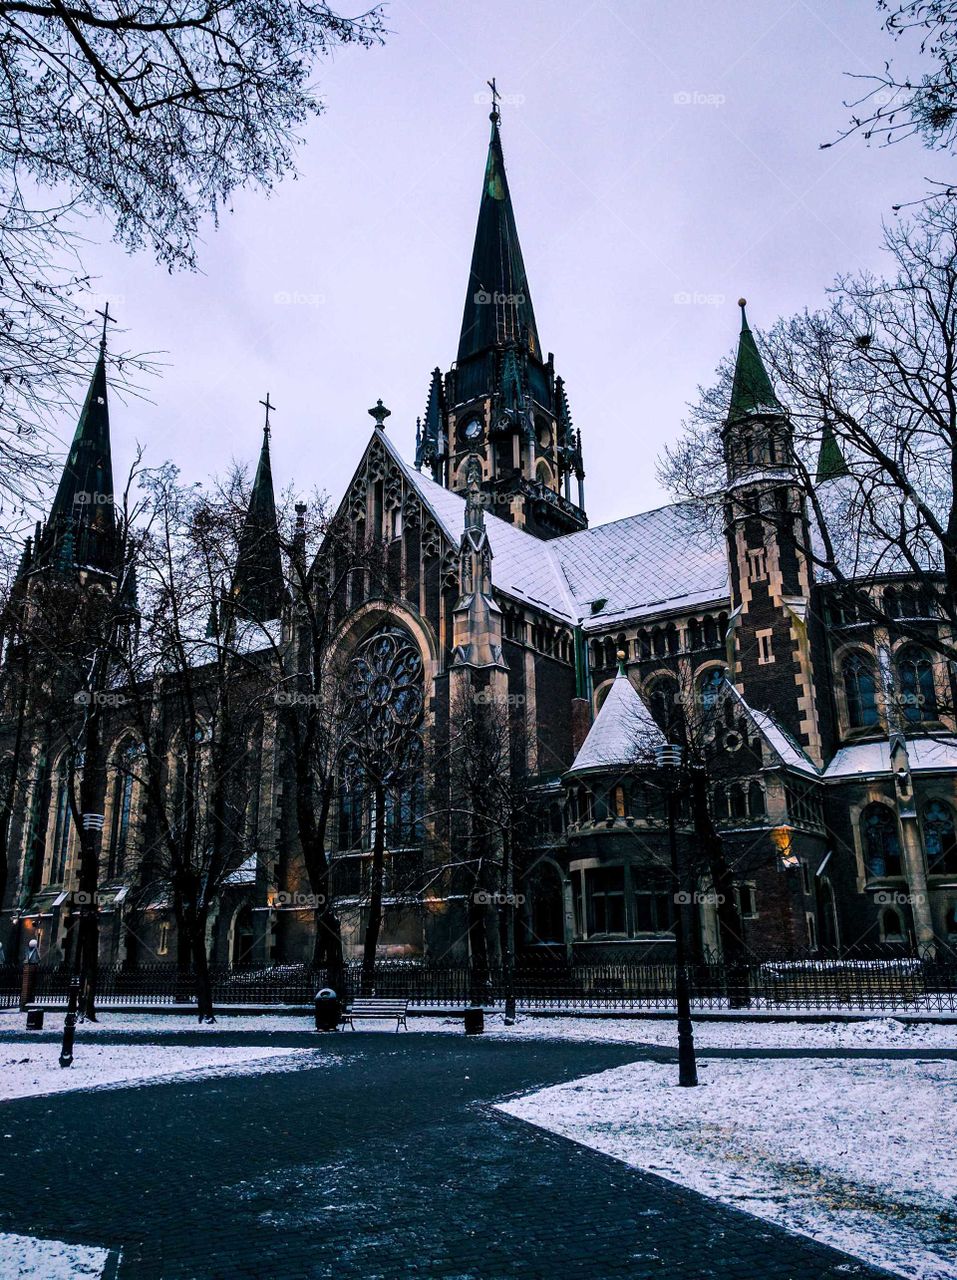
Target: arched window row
point(803, 805)
point(912, 600)
point(916, 686)
point(551, 640)
point(739, 801)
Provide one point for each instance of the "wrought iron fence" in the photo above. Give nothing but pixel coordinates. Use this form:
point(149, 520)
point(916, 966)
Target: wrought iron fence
point(894, 983)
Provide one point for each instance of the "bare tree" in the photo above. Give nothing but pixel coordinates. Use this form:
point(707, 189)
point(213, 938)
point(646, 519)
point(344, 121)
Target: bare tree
point(923, 104)
point(870, 385)
point(150, 118)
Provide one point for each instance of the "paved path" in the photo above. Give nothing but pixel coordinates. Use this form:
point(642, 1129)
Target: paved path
point(384, 1161)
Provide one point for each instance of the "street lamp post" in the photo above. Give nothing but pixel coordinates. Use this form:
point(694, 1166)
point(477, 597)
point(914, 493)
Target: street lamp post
point(669, 759)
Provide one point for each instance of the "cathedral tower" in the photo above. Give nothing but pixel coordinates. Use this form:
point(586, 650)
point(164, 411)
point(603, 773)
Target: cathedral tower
point(501, 400)
point(768, 538)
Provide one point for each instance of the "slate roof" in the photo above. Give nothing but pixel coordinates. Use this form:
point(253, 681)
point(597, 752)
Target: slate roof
point(623, 731)
point(646, 563)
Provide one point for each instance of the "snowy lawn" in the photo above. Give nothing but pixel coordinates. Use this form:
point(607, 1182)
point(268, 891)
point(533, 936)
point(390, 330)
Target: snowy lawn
point(28, 1070)
point(857, 1154)
point(27, 1258)
point(872, 1033)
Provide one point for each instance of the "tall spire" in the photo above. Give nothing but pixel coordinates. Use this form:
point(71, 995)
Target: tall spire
point(257, 582)
point(498, 306)
point(83, 512)
point(752, 391)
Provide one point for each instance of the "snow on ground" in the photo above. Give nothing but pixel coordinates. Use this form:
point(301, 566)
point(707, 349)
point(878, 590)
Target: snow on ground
point(31, 1070)
point(855, 1153)
point(27, 1258)
point(871, 1033)
point(874, 1033)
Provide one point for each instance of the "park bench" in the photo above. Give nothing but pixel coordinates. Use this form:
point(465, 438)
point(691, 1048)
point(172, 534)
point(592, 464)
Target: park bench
point(376, 1007)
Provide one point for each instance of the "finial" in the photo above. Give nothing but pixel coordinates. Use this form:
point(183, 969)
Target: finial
point(107, 319)
point(269, 407)
point(621, 655)
point(742, 303)
point(380, 413)
point(494, 113)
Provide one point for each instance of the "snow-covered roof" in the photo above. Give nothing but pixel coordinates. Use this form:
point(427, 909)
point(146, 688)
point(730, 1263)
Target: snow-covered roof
point(864, 759)
point(782, 744)
point(522, 565)
point(643, 564)
point(623, 732)
point(245, 873)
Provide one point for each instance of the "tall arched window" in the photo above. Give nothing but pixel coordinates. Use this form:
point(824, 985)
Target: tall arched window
point(124, 777)
point(62, 824)
point(662, 700)
point(860, 691)
point(940, 839)
point(384, 753)
point(710, 686)
point(915, 672)
point(881, 841)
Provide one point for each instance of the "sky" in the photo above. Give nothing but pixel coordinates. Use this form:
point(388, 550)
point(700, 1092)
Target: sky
point(663, 160)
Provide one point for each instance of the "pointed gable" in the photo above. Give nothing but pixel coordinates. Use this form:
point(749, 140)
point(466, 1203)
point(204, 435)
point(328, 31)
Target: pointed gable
point(498, 305)
point(624, 732)
point(258, 582)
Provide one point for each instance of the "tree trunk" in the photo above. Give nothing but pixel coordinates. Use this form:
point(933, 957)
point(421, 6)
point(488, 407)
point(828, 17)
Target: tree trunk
point(204, 989)
point(374, 924)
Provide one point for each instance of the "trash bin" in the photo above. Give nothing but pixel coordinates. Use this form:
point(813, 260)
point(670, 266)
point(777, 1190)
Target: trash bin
point(34, 1019)
point(474, 1020)
point(328, 1009)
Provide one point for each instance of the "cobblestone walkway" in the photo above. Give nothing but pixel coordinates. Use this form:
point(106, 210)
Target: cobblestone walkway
point(387, 1161)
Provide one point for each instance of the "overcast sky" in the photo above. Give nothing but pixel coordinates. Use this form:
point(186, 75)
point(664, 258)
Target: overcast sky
point(663, 160)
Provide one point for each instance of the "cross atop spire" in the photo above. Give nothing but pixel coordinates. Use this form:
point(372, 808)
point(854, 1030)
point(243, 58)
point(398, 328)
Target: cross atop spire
point(494, 115)
point(269, 407)
point(107, 319)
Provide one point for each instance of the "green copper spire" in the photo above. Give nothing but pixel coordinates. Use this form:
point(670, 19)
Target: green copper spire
point(498, 306)
point(84, 498)
point(752, 391)
point(258, 583)
point(830, 460)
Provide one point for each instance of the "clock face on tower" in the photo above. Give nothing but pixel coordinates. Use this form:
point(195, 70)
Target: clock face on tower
point(472, 430)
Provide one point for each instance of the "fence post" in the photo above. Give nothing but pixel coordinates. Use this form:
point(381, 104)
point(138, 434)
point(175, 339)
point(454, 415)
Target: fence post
point(31, 973)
